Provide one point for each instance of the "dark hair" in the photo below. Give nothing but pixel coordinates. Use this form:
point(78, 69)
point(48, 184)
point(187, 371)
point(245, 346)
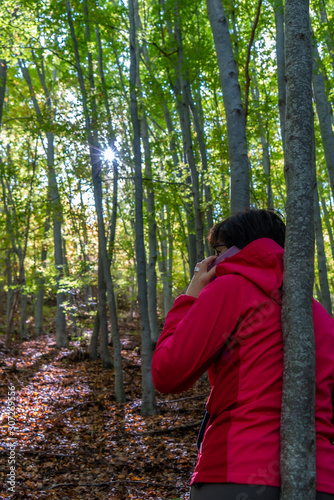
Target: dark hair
point(244, 227)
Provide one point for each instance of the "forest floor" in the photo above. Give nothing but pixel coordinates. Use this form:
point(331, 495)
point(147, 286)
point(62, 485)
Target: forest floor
point(72, 440)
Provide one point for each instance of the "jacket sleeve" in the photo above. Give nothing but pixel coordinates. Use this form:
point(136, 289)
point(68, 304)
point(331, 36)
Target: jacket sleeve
point(195, 332)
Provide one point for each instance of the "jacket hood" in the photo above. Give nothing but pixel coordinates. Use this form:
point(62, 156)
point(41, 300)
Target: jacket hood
point(261, 262)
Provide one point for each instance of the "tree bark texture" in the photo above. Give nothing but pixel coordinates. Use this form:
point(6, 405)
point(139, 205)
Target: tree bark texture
point(148, 395)
point(298, 472)
point(235, 118)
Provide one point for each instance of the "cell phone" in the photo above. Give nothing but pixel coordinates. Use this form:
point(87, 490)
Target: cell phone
point(228, 253)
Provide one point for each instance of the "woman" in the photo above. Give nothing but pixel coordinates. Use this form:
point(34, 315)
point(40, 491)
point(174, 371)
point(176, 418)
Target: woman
point(231, 326)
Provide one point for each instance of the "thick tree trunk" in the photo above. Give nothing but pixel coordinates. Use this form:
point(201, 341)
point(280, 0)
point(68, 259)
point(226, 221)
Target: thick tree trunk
point(235, 119)
point(298, 472)
point(148, 396)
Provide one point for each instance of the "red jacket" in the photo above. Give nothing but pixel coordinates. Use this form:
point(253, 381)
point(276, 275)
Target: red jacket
point(233, 330)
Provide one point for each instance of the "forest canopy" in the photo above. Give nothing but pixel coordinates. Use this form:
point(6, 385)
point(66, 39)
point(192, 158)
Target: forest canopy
point(68, 171)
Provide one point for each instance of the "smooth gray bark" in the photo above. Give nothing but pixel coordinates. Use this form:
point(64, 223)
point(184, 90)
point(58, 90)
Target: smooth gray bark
point(183, 106)
point(321, 256)
point(94, 340)
point(328, 35)
point(150, 204)
point(198, 123)
point(112, 225)
point(103, 320)
point(328, 224)
point(298, 470)
point(235, 119)
point(166, 258)
point(61, 334)
point(148, 394)
point(39, 329)
point(3, 79)
point(265, 146)
point(324, 113)
point(280, 57)
point(190, 234)
point(180, 89)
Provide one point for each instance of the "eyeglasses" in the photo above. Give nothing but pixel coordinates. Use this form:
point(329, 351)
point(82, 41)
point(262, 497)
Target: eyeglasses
point(215, 248)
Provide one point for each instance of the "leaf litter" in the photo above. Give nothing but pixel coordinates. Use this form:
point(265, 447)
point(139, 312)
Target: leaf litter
point(72, 440)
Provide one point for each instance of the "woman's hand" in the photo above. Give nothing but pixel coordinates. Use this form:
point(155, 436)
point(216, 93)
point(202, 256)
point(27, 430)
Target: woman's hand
point(202, 277)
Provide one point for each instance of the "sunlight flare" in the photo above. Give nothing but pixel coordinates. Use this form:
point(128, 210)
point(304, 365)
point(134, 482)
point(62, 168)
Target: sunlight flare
point(109, 154)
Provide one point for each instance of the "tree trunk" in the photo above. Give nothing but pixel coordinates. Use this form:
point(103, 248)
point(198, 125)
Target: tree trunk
point(328, 224)
point(183, 106)
point(280, 57)
point(61, 334)
point(39, 330)
point(198, 123)
point(150, 203)
point(166, 259)
point(264, 130)
point(60, 321)
point(97, 185)
point(94, 340)
point(321, 255)
point(298, 472)
point(191, 236)
point(3, 78)
point(152, 235)
point(235, 119)
point(23, 306)
point(324, 114)
point(103, 320)
point(148, 396)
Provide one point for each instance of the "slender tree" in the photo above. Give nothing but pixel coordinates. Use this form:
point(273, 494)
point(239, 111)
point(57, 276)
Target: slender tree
point(235, 119)
point(56, 208)
point(95, 161)
point(148, 398)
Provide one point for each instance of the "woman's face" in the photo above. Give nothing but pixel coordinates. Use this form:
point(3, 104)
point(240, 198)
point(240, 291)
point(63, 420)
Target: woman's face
point(219, 248)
